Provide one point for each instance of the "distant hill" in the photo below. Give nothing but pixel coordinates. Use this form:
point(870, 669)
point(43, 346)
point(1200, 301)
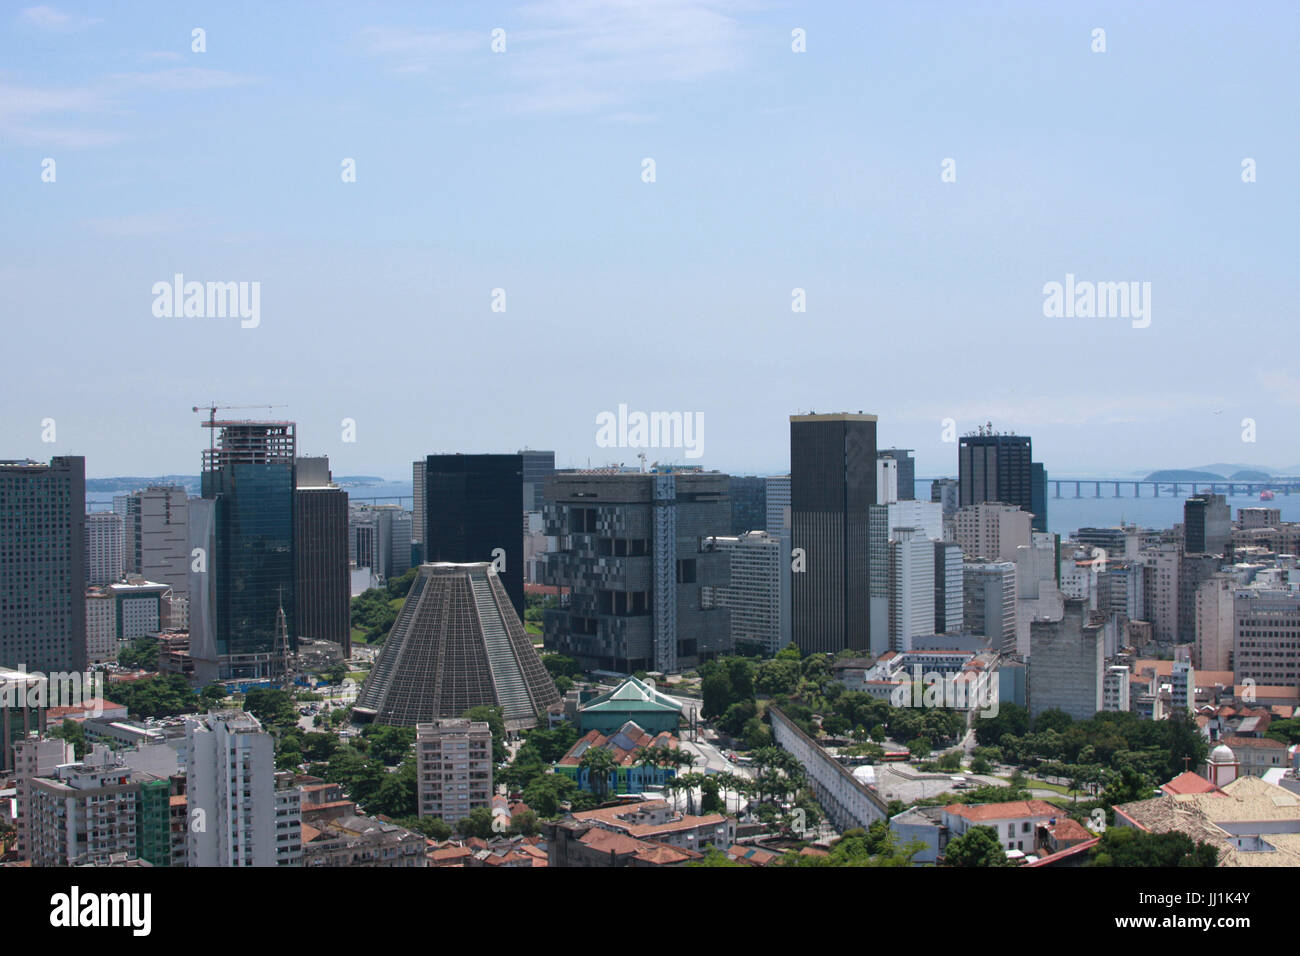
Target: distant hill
point(1250, 476)
point(1175, 474)
point(134, 483)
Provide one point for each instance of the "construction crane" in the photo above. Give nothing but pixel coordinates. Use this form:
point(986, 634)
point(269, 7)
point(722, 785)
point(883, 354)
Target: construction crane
point(212, 418)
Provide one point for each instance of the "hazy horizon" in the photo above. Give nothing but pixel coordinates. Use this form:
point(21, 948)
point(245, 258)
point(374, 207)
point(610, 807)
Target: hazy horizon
point(825, 171)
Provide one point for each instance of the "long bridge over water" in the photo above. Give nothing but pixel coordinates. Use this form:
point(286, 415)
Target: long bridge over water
point(1119, 487)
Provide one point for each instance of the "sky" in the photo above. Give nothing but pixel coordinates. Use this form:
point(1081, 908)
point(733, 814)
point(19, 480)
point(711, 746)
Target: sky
point(524, 170)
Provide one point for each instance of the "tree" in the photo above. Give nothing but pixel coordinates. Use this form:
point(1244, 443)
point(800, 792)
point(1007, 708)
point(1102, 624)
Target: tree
point(272, 707)
point(73, 733)
point(545, 793)
point(477, 824)
point(212, 696)
point(435, 828)
point(715, 690)
point(497, 724)
point(1128, 846)
point(388, 744)
point(601, 768)
point(1053, 719)
point(978, 846)
point(1010, 719)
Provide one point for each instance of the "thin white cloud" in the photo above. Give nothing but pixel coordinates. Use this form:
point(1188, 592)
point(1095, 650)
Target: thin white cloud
point(1010, 414)
point(576, 56)
point(1284, 387)
point(138, 225)
point(48, 18)
point(26, 111)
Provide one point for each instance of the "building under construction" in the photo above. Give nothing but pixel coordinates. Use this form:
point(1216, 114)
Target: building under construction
point(244, 574)
point(457, 643)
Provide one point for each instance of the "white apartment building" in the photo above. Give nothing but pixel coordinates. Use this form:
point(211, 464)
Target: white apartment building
point(104, 554)
point(230, 783)
point(101, 626)
point(34, 757)
point(989, 595)
point(886, 481)
point(454, 763)
point(758, 595)
point(1161, 590)
point(1266, 645)
point(778, 503)
point(911, 587)
point(1115, 689)
point(991, 531)
point(1182, 687)
point(1215, 623)
point(84, 813)
point(949, 583)
point(155, 535)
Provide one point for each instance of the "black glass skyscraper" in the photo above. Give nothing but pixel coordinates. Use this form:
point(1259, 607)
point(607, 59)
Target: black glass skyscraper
point(993, 467)
point(473, 507)
point(832, 489)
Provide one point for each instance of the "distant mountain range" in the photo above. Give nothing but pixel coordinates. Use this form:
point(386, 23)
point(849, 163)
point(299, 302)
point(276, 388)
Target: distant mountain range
point(1221, 472)
point(191, 483)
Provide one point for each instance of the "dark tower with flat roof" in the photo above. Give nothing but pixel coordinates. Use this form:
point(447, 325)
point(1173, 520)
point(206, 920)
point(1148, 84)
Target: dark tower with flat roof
point(474, 511)
point(832, 489)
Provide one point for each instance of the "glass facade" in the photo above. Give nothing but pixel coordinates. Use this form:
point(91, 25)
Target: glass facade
point(254, 560)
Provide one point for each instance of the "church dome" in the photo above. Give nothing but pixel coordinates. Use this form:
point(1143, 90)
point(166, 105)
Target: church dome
point(1222, 754)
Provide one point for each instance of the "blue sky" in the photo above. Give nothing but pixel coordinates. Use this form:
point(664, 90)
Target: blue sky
point(774, 170)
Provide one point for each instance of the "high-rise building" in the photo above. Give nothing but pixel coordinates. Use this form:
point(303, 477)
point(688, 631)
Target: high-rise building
point(34, 757)
point(1115, 689)
point(90, 813)
point(911, 579)
point(103, 547)
point(947, 492)
point(832, 489)
point(230, 779)
point(454, 763)
point(748, 504)
point(949, 578)
point(43, 564)
point(758, 596)
point(1067, 663)
point(778, 503)
point(1250, 518)
point(457, 643)
point(244, 527)
point(1266, 625)
point(1214, 623)
point(632, 569)
point(1182, 687)
point(994, 467)
point(1038, 495)
point(886, 481)
point(473, 509)
point(989, 596)
point(1161, 593)
point(155, 536)
point(991, 531)
point(379, 538)
point(1207, 524)
point(418, 471)
point(24, 702)
point(1193, 571)
point(906, 471)
point(322, 584)
point(537, 470)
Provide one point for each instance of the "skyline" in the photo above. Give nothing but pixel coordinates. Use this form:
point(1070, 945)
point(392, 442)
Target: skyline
point(775, 171)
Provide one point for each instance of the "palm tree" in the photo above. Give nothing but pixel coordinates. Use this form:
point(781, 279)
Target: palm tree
point(600, 766)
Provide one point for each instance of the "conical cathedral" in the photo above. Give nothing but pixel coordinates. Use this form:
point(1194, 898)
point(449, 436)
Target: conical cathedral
point(457, 643)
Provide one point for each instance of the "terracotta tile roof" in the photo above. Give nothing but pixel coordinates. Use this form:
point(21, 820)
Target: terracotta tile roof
point(1258, 743)
point(1011, 810)
point(1188, 782)
point(1070, 831)
point(1067, 852)
point(310, 833)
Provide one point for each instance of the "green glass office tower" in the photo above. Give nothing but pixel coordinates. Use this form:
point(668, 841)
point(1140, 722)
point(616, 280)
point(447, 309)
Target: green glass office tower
point(245, 524)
